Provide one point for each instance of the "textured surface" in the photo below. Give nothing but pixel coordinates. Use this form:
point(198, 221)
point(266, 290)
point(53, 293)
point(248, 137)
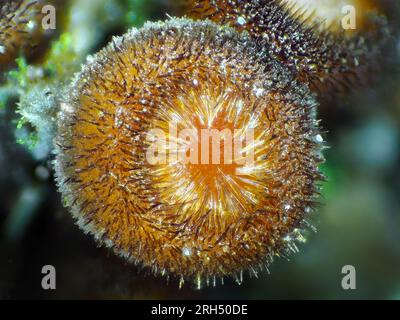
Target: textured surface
point(19, 28)
point(313, 54)
point(194, 222)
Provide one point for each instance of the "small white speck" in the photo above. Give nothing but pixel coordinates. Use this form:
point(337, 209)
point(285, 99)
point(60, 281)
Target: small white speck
point(223, 66)
point(187, 252)
point(90, 59)
point(287, 238)
point(239, 106)
point(241, 21)
point(196, 82)
point(118, 121)
point(287, 207)
point(319, 139)
point(67, 108)
point(108, 243)
point(2, 49)
point(35, 73)
point(31, 25)
point(258, 92)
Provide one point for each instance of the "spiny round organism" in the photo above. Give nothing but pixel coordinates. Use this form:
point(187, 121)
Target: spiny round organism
point(316, 55)
point(196, 215)
point(20, 27)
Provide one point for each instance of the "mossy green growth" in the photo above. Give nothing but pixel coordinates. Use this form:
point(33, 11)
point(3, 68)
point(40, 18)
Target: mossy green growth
point(21, 122)
point(30, 140)
point(62, 60)
point(24, 135)
point(38, 88)
point(60, 64)
point(19, 76)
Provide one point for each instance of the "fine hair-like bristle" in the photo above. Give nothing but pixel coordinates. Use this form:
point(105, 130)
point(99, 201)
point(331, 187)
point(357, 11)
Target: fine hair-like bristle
point(193, 222)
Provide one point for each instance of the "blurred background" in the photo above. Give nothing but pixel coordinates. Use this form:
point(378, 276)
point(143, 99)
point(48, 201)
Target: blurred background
point(358, 222)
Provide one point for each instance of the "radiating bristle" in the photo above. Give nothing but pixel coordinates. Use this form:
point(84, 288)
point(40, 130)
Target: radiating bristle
point(194, 221)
